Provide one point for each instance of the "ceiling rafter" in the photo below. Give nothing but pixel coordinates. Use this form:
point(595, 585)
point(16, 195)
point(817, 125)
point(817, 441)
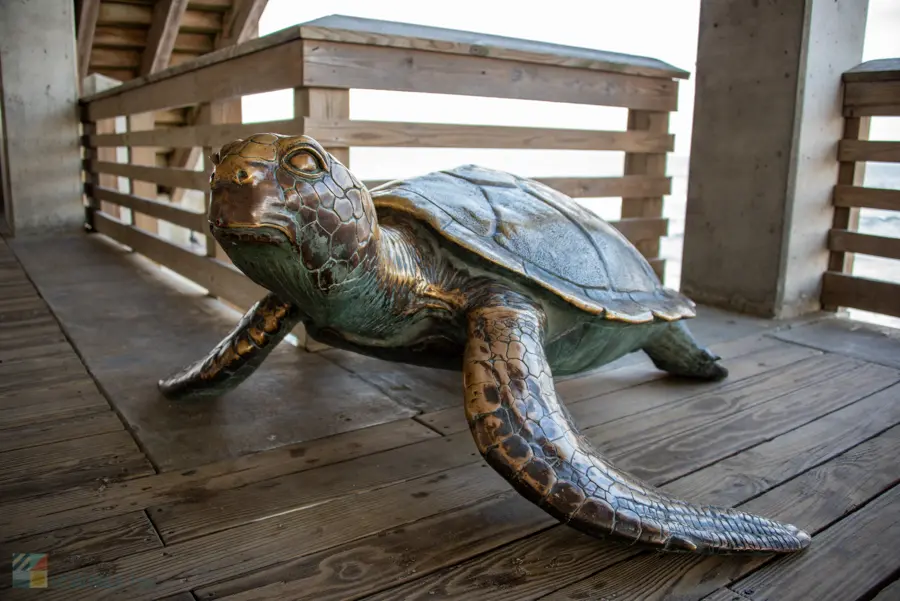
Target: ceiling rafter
point(167, 16)
point(87, 13)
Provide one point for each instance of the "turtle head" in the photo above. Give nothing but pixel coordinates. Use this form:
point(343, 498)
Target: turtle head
point(289, 192)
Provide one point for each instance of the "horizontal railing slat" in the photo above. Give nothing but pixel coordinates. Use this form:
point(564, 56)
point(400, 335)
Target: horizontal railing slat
point(866, 244)
point(161, 210)
point(351, 66)
point(594, 187)
point(867, 150)
point(440, 135)
point(871, 98)
point(166, 176)
point(842, 290)
point(637, 229)
point(220, 279)
point(195, 136)
point(395, 134)
point(866, 198)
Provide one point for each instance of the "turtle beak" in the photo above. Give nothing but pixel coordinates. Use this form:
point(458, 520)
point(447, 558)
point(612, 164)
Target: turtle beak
point(249, 212)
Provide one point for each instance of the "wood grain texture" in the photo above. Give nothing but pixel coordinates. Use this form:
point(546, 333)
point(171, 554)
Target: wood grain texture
point(819, 573)
point(867, 150)
point(219, 556)
point(653, 165)
point(192, 220)
point(889, 593)
point(165, 176)
point(61, 465)
point(89, 11)
point(186, 85)
point(878, 296)
point(849, 338)
point(578, 567)
point(872, 98)
point(761, 467)
point(334, 132)
point(339, 28)
point(867, 244)
point(85, 503)
point(850, 174)
point(220, 279)
point(870, 198)
point(69, 428)
point(332, 64)
point(166, 20)
point(90, 543)
point(181, 520)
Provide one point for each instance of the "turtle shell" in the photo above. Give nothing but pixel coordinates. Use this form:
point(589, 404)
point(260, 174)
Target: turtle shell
point(540, 234)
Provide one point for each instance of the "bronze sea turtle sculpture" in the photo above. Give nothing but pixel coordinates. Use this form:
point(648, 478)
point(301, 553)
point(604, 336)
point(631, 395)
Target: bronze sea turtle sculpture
point(471, 269)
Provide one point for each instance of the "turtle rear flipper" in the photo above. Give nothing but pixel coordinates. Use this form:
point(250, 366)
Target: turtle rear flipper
point(676, 351)
point(525, 434)
point(238, 355)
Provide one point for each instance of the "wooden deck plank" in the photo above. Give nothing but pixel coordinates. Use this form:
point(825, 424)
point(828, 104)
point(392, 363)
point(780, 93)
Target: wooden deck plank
point(761, 467)
point(853, 474)
point(67, 401)
point(532, 567)
point(59, 347)
point(68, 428)
point(61, 465)
point(90, 543)
point(198, 562)
point(889, 593)
point(849, 338)
point(192, 517)
point(619, 395)
point(691, 448)
point(151, 329)
point(821, 572)
point(84, 503)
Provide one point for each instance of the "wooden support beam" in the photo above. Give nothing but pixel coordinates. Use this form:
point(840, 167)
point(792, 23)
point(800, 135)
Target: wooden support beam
point(167, 16)
point(652, 124)
point(241, 22)
point(88, 11)
point(850, 173)
point(143, 156)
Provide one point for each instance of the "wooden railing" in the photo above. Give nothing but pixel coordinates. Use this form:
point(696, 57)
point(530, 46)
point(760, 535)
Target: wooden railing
point(870, 90)
point(322, 61)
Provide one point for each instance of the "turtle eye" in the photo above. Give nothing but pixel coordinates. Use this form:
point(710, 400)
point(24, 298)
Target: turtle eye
point(303, 162)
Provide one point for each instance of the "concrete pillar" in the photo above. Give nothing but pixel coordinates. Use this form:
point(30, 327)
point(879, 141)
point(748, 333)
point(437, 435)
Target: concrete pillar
point(40, 117)
point(767, 118)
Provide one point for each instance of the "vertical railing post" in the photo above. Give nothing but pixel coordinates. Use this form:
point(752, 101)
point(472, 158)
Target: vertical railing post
point(327, 105)
point(143, 156)
point(323, 104)
point(850, 173)
point(649, 164)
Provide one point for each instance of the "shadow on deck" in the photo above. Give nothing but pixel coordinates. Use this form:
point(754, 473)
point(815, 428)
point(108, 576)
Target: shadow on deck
point(333, 476)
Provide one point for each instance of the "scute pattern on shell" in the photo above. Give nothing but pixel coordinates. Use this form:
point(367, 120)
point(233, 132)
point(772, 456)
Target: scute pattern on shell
point(540, 234)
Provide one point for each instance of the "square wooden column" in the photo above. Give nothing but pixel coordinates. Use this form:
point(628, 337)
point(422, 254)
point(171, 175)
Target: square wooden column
point(767, 118)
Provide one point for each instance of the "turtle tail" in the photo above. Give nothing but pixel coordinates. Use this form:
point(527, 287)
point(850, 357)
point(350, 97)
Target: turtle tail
point(525, 434)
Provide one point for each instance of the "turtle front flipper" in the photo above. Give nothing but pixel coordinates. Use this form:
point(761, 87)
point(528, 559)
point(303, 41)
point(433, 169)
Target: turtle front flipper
point(529, 438)
point(238, 355)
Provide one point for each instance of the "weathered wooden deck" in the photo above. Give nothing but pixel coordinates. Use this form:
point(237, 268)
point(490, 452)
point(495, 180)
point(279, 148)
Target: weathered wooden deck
point(330, 476)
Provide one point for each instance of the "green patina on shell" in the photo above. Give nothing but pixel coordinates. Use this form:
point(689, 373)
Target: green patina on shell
point(540, 234)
